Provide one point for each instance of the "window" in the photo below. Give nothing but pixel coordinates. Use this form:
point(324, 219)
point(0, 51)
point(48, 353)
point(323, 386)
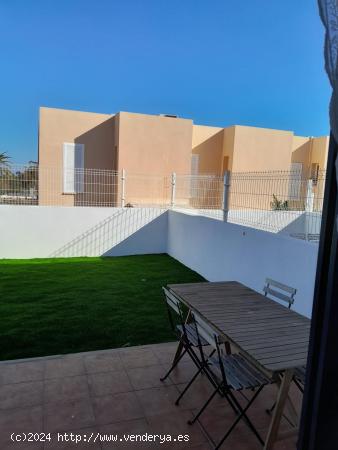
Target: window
point(73, 168)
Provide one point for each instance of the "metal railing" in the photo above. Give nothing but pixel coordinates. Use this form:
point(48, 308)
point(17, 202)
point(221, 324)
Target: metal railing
point(50, 186)
point(280, 202)
point(277, 201)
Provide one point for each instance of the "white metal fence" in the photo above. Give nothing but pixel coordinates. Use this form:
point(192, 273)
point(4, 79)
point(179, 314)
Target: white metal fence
point(46, 186)
point(284, 202)
point(278, 201)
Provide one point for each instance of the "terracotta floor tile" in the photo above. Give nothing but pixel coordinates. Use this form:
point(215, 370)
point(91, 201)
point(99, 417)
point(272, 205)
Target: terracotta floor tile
point(147, 377)
point(20, 395)
point(287, 444)
point(138, 357)
point(23, 420)
point(198, 393)
point(183, 372)
point(116, 408)
point(106, 383)
point(66, 388)
point(166, 352)
point(22, 372)
point(102, 362)
point(157, 401)
point(120, 392)
point(68, 415)
point(65, 366)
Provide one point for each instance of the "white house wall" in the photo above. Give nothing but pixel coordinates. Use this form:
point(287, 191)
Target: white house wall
point(222, 251)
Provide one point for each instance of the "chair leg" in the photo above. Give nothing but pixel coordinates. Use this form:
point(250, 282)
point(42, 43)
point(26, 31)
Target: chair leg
point(298, 384)
point(188, 385)
point(270, 410)
point(203, 369)
point(174, 364)
point(193, 356)
point(243, 415)
point(206, 372)
point(191, 422)
point(179, 356)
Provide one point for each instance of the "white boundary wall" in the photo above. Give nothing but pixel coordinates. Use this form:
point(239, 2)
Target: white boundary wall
point(217, 250)
point(43, 231)
point(222, 252)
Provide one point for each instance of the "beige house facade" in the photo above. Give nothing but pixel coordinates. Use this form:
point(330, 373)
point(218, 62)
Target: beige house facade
point(251, 149)
point(156, 146)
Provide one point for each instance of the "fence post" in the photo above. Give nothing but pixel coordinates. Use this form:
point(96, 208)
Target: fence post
point(123, 188)
point(173, 189)
point(226, 189)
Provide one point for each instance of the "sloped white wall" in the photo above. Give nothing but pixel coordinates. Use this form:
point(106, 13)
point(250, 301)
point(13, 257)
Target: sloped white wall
point(42, 231)
point(223, 251)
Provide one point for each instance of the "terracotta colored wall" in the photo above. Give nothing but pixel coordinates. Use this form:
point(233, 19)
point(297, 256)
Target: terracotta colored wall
point(95, 131)
point(319, 151)
point(301, 153)
point(214, 146)
point(229, 145)
point(150, 148)
point(207, 143)
point(154, 145)
point(261, 149)
point(308, 151)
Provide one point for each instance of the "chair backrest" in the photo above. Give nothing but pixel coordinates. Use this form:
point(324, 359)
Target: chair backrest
point(172, 301)
point(205, 331)
point(280, 291)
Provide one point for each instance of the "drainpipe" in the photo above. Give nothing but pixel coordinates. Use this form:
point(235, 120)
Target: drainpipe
point(123, 188)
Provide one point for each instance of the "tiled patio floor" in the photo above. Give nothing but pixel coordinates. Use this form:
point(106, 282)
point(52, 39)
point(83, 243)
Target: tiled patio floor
point(117, 392)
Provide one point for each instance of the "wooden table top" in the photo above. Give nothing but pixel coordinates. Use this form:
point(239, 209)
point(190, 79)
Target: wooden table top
point(268, 333)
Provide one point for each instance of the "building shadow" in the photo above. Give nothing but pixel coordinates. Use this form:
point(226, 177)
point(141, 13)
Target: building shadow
point(129, 230)
point(100, 183)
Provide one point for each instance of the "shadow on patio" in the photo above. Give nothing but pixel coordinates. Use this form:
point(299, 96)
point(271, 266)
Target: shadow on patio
point(117, 393)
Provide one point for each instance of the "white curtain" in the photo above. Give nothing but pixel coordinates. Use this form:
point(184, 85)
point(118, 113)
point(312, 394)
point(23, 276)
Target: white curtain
point(328, 10)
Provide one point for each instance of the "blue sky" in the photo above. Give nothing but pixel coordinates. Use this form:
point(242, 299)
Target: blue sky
point(219, 62)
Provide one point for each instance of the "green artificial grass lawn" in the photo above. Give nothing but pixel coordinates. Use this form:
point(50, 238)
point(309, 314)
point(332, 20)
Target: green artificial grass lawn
point(54, 306)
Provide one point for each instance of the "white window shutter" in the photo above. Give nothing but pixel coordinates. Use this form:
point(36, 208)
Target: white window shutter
point(79, 168)
point(73, 168)
point(68, 168)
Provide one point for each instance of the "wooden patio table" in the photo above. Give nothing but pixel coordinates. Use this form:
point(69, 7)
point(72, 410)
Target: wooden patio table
point(274, 338)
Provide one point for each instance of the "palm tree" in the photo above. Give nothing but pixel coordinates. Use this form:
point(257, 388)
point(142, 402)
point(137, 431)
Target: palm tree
point(4, 158)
